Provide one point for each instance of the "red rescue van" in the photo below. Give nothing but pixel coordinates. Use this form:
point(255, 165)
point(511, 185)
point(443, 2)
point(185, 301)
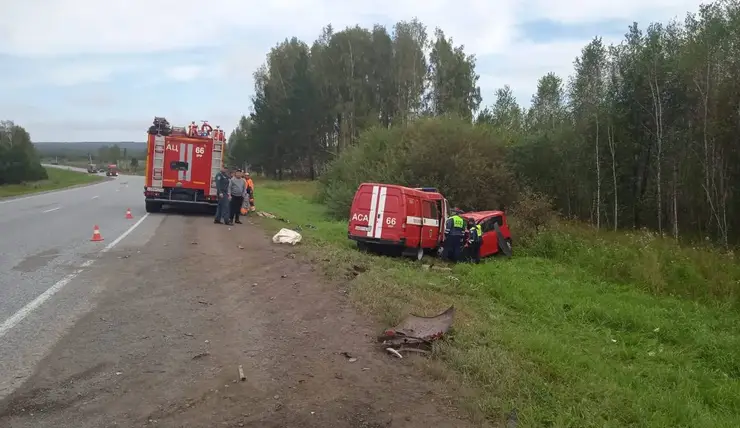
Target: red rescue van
point(388, 218)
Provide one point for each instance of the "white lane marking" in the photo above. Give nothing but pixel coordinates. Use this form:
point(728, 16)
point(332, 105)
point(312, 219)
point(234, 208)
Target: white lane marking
point(124, 234)
point(95, 197)
point(25, 311)
point(51, 209)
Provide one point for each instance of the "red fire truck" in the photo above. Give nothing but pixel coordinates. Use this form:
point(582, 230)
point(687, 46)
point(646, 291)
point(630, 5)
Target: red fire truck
point(181, 165)
point(398, 220)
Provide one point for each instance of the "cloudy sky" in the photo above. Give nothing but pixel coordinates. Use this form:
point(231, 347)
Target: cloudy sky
point(92, 70)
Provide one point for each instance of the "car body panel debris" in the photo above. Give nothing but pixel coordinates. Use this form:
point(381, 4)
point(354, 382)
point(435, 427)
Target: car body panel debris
point(416, 333)
point(287, 236)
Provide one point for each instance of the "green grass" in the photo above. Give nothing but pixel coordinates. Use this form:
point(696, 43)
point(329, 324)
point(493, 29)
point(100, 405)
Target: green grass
point(579, 329)
point(58, 179)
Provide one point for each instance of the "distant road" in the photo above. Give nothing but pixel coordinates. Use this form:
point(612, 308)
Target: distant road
point(69, 168)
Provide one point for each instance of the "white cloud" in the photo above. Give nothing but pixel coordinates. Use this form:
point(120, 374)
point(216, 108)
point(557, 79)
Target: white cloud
point(184, 73)
point(523, 67)
point(46, 30)
point(580, 11)
point(56, 27)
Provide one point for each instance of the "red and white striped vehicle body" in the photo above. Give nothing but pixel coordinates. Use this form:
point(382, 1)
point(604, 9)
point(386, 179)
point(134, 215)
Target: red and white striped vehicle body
point(180, 169)
point(389, 216)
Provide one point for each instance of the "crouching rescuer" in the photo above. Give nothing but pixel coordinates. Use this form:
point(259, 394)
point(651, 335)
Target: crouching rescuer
point(475, 239)
point(454, 235)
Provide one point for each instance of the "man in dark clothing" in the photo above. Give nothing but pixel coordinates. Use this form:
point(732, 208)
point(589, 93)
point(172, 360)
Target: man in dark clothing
point(237, 189)
point(454, 231)
point(475, 238)
point(222, 188)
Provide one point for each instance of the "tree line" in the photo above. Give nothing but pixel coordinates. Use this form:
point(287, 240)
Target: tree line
point(312, 102)
point(642, 135)
point(19, 161)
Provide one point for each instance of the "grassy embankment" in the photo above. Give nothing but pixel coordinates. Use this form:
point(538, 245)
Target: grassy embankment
point(58, 179)
point(579, 329)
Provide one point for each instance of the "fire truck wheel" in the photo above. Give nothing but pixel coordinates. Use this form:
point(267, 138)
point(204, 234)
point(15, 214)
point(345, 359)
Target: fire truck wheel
point(362, 246)
point(153, 207)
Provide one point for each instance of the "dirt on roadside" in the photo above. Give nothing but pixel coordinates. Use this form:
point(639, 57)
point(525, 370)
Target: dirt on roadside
point(164, 345)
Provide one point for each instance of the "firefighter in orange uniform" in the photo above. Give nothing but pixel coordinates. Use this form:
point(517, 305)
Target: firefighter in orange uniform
point(250, 192)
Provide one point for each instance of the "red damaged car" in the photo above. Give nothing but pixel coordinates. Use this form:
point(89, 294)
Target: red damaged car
point(496, 234)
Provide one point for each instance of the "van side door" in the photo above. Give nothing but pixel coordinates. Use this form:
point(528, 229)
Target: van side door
point(430, 224)
point(489, 245)
point(413, 221)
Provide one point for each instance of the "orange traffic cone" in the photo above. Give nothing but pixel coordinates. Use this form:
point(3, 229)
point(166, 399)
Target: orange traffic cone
point(128, 214)
point(96, 234)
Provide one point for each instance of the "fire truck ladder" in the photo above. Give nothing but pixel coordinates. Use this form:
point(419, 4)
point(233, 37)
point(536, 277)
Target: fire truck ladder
point(216, 161)
point(158, 162)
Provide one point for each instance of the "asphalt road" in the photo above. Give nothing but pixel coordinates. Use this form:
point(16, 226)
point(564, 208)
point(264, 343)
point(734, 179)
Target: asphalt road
point(45, 244)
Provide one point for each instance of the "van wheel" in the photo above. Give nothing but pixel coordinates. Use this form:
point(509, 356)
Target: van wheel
point(419, 253)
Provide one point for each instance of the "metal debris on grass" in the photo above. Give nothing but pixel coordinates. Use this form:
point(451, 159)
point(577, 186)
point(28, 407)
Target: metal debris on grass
point(417, 333)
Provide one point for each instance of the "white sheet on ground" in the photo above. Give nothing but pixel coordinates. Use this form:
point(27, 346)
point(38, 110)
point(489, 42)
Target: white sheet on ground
point(287, 236)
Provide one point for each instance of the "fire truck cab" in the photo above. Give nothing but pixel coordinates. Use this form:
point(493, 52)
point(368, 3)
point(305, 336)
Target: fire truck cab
point(181, 165)
point(399, 220)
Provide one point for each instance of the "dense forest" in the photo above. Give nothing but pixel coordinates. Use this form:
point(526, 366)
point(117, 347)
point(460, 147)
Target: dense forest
point(19, 161)
point(643, 134)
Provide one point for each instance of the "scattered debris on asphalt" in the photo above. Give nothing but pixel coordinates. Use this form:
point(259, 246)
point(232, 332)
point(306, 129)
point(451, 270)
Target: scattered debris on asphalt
point(241, 373)
point(201, 355)
point(394, 352)
point(417, 333)
point(349, 356)
point(272, 216)
point(287, 236)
